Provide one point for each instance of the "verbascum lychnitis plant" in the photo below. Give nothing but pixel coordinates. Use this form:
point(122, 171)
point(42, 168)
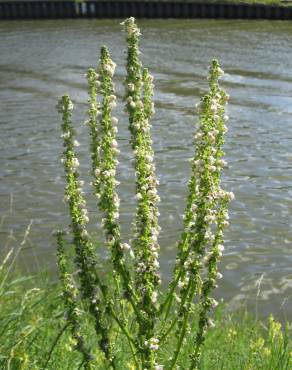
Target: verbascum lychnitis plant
point(127, 300)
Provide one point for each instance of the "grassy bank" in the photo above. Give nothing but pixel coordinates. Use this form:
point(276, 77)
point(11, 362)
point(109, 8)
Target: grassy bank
point(34, 334)
point(252, 2)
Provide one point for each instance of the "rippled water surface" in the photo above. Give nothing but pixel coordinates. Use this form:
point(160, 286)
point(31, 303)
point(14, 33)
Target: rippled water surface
point(41, 60)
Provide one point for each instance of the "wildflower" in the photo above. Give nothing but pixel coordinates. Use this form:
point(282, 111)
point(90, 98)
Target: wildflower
point(96, 172)
point(76, 143)
point(230, 196)
point(114, 121)
point(66, 135)
point(220, 247)
point(75, 163)
point(220, 72)
point(219, 275)
point(131, 87)
point(139, 196)
point(154, 297)
point(126, 246)
point(132, 104)
point(214, 303)
point(110, 68)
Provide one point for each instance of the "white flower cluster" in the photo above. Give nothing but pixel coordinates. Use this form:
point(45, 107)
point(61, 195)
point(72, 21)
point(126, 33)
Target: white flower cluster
point(152, 344)
point(140, 108)
point(73, 190)
point(61, 107)
point(108, 68)
point(131, 27)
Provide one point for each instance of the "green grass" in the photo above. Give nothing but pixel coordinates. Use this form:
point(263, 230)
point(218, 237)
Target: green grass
point(253, 2)
point(258, 2)
point(34, 335)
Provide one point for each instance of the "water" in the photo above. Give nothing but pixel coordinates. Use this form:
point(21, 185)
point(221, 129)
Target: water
point(40, 60)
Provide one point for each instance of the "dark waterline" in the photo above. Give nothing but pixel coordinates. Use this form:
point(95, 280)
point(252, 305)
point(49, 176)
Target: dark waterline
point(42, 60)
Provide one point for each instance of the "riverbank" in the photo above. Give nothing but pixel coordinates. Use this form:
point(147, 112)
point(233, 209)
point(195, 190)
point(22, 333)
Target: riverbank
point(35, 334)
point(245, 9)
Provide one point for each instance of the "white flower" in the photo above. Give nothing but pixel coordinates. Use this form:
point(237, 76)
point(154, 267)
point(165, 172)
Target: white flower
point(153, 344)
point(180, 284)
point(139, 104)
point(226, 215)
point(220, 247)
point(125, 246)
point(66, 198)
point(70, 106)
point(198, 136)
point(96, 172)
point(116, 215)
point(214, 303)
point(156, 264)
point(230, 195)
point(85, 218)
point(155, 254)
point(211, 136)
point(220, 72)
point(216, 117)
point(219, 275)
point(139, 196)
point(84, 233)
point(106, 174)
point(131, 87)
point(114, 143)
point(110, 68)
point(211, 159)
point(114, 120)
point(152, 193)
point(210, 218)
point(222, 163)
point(214, 108)
point(66, 135)
point(84, 211)
point(154, 347)
point(225, 129)
point(132, 104)
point(154, 297)
point(75, 163)
point(76, 143)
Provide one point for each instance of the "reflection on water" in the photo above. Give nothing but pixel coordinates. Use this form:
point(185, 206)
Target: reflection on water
point(42, 60)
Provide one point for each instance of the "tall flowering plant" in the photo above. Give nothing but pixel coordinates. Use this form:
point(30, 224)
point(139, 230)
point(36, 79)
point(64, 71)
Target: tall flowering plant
point(128, 301)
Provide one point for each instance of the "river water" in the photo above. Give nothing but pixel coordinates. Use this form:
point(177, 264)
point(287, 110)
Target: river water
point(40, 60)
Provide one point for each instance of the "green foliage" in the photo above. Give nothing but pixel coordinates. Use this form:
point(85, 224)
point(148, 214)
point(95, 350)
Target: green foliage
point(35, 335)
point(120, 318)
point(129, 300)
